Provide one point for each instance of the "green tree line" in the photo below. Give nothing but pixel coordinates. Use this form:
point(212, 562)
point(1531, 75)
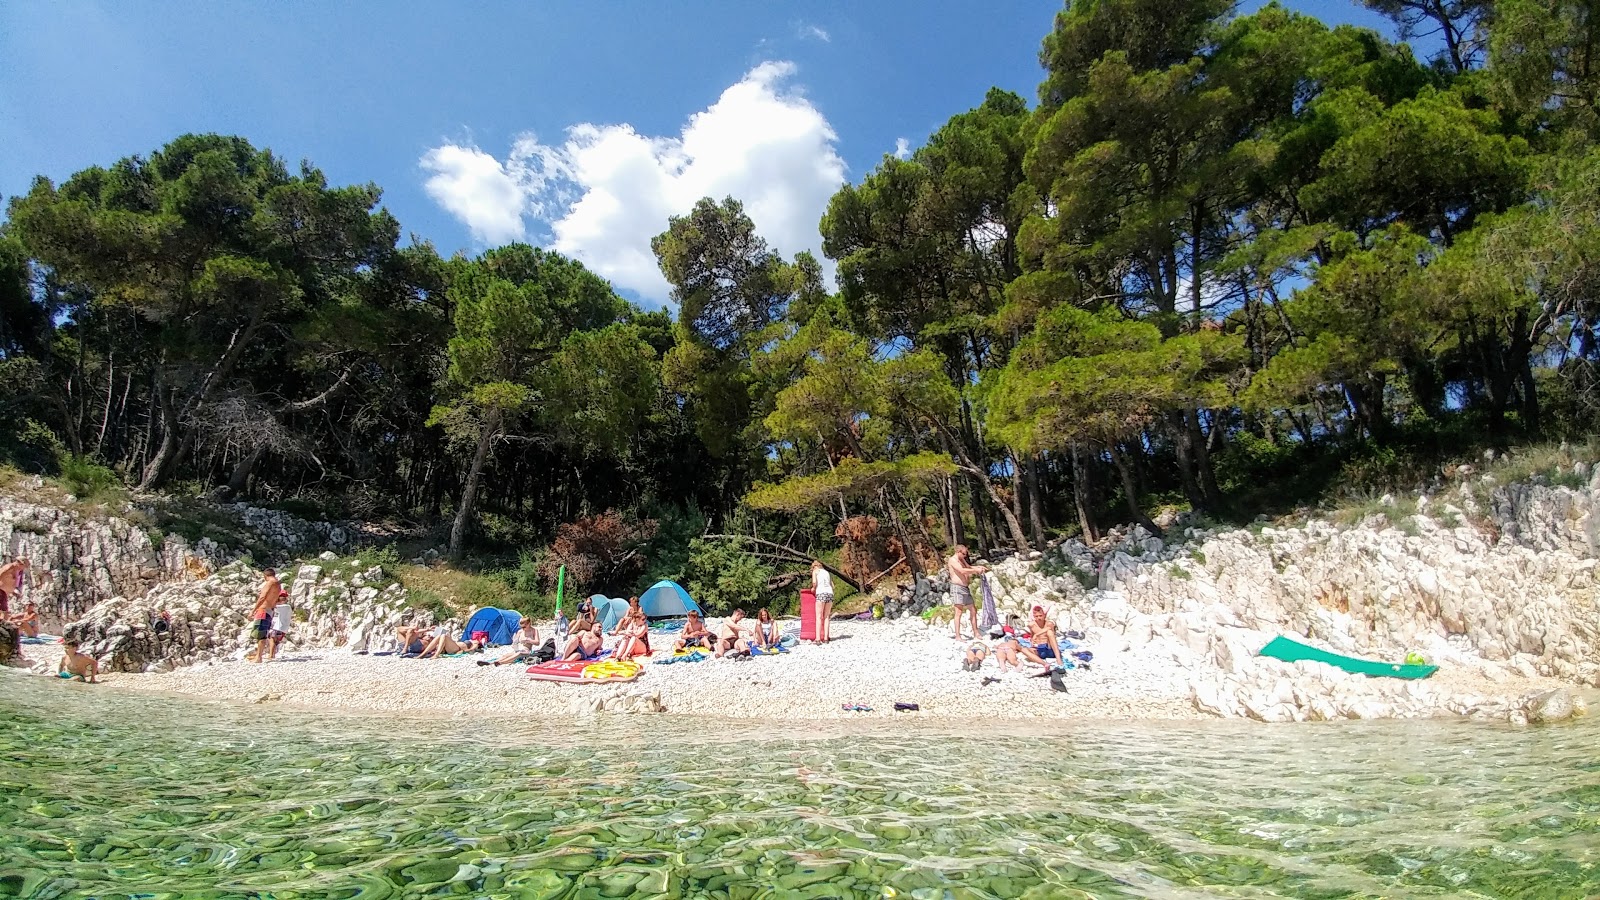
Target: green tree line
point(1223, 262)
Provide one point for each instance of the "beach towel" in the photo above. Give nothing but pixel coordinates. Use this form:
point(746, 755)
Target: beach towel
point(683, 656)
point(667, 627)
point(990, 616)
point(755, 649)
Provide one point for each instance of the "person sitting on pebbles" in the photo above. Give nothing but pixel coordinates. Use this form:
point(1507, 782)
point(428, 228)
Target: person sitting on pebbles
point(730, 637)
point(79, 665)
point(28, 622)
point(523, 643)
point(1042, 633)
point(695, 633)
point(585, 643)
point(412, 638)
point(635, 631)
point(767, 636)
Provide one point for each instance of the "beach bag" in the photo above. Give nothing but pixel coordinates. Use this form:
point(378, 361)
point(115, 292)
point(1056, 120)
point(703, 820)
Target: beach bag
point(546, 651)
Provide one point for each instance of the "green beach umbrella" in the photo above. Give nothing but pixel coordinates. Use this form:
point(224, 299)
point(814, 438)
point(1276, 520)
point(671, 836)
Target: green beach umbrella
point(561, 580)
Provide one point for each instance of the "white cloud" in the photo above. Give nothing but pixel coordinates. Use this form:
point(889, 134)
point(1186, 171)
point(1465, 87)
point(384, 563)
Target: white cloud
point(806, 30)
point(607, 190)
point(902, 148)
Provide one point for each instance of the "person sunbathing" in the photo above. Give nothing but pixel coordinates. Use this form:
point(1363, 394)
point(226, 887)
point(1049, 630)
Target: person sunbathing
point(584, 643)
point(411, 638)
point(731, 635)
point(442, 642)
point(523, 644)
point(635, 631)
point(1005, 653)
point(767, 636)
point(977, 652)
point(28, 621)
point(694, 634)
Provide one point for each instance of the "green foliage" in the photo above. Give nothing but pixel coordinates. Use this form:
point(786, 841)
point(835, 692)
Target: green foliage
point(666, 554)
point(722, 577)
point(91, 482)
point(431, 603)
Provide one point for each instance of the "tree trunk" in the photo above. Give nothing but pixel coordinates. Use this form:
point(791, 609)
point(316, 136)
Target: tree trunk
point(239, 481)
point(1035, 513)
point(160, 467)
point(900, 532)
point(956, 529)
point(469, 493)
point(1082, 495)
point(1202, 460)
point(1178, 430)
point(1129, 490)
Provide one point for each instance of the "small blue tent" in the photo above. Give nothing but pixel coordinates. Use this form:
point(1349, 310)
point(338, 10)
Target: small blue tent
point(501, 624)
point(667, 598)
point(608, 611)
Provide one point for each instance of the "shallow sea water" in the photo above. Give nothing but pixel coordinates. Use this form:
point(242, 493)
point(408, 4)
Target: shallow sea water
point(108, 794)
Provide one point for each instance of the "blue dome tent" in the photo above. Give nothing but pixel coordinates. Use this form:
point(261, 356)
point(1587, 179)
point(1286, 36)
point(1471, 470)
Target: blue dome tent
point(665, 599)
point(501, 624)
point(608, 611)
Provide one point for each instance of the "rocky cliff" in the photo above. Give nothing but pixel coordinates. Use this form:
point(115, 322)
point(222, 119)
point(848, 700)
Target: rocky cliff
point(84, 556)
point(1502, 594)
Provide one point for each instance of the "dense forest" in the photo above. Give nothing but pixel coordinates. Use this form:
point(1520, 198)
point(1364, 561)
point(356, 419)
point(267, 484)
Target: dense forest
point(1222, 263)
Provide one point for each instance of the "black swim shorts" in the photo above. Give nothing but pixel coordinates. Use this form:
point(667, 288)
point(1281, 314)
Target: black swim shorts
point(263, 627)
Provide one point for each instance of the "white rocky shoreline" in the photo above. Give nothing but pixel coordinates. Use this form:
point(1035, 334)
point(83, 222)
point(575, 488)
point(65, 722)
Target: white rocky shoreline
point(1503, 597)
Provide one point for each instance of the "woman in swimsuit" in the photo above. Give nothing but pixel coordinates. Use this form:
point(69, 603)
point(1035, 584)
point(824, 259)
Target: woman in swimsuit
point(635, 631)
point(766, 630)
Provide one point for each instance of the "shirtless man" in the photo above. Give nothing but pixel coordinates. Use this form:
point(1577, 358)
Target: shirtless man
point(961, 573)
point(78, 664)
point(729, 634)
point(11, 575)
point(261, 616)
point(584, 643)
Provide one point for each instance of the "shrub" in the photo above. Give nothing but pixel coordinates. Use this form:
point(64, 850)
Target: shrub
point(91, 482)
point(602, 552)
point(722, 576)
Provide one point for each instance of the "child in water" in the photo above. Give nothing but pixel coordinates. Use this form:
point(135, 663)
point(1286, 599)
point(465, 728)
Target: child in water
point(77, 664)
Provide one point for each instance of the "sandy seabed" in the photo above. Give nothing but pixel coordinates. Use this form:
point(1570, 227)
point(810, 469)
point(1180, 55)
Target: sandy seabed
point(870, 663)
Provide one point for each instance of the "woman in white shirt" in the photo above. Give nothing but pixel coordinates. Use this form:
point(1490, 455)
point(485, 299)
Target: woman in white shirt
point(822, 584)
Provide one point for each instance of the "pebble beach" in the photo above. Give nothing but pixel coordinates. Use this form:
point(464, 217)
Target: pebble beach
point(869, 663)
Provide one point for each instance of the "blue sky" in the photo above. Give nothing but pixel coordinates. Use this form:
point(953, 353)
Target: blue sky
point(471, 116)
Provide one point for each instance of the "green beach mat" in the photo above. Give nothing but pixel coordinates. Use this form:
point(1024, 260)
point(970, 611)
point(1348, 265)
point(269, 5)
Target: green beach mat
point(1293, 651)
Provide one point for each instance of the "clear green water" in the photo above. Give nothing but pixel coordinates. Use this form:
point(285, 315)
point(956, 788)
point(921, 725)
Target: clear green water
point(112, 795)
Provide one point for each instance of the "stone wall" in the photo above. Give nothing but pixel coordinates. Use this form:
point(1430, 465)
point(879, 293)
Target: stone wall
point(83, 557)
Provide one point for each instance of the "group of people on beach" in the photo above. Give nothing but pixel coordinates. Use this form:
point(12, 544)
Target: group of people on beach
point(1034, 641)
point(13, 578)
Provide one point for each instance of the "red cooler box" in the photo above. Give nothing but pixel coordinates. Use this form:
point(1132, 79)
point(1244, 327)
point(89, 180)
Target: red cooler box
point(808, 615)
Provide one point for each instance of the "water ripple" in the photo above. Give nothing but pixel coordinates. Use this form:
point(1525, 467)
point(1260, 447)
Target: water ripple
point(184, 799)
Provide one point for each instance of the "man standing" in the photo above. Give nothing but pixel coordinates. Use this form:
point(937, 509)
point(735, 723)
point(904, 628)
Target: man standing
point(11, 577)
point(961, 587)
point(261, 616)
